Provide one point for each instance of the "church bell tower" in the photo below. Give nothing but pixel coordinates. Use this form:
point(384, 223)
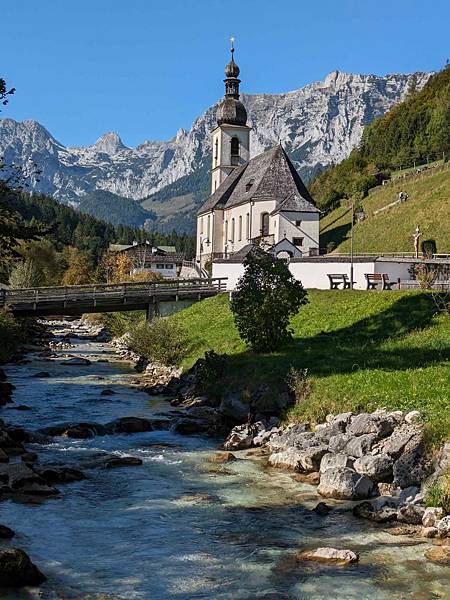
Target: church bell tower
point(231, 137)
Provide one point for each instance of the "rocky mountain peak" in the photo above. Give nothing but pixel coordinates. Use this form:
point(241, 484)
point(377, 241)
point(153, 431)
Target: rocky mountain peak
point(109, 143)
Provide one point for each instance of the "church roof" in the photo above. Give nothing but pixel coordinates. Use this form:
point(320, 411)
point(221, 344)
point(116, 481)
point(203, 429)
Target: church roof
point(269, 176)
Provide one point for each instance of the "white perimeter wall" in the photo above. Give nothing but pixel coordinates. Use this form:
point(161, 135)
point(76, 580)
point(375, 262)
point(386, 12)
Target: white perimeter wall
point(314, 274)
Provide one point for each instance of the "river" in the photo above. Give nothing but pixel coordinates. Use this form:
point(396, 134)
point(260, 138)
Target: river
point(179, 526)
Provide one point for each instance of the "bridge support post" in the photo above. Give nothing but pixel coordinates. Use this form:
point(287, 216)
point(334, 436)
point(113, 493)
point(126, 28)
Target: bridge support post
point(152, 311)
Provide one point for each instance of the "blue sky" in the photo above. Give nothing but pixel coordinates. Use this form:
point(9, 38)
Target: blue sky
point(145, 68)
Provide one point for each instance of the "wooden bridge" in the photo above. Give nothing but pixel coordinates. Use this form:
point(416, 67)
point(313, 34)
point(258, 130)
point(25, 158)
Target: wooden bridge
point(106, 297)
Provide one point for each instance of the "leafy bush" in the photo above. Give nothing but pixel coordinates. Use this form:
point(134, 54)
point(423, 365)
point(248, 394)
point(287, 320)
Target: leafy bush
point(209, 372)
point(438, 494)
point(299, 384)
point(266, 298)
point(160, 340)
point(11, 334)
point(428, 248)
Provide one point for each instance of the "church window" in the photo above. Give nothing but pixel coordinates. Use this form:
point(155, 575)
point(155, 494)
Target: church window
point(234, 151)
point(297, 241)
point(240, 229)
point(265, 224)
point(247, 226)
point(201, 225)
point(226, 232)
point(216, 152)
point(232, 231)
point(208, 232)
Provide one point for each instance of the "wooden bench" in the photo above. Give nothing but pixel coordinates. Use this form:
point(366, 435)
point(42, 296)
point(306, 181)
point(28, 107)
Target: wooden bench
point(337, 278)
point(373, 279)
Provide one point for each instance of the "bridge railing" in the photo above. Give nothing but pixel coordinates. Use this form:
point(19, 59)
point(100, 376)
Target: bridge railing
point(94, 293)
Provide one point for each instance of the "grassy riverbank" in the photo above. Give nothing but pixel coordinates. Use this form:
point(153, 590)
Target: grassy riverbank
point(362, 351)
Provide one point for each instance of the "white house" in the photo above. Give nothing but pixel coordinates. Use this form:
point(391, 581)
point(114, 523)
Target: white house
point(260, 200)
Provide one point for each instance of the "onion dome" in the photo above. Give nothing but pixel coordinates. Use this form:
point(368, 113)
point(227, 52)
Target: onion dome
point(231, 111)
point(232, 70)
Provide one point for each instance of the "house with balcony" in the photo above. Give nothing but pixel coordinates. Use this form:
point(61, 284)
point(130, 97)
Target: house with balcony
point(253, 201)
point(144, 257)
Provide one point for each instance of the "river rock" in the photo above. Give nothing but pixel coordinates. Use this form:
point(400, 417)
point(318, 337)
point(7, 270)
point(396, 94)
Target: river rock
point(333, 461)
point(378, 468)
point(429, 532)
point(6, 533)
point(380, 424)
point(310, 478)
point(360, 445)
point(431, 515)
point(343, 483)
point(222, 457)
point(61, 475)
point(190, 426)
point(443, 526)
point(25, 481)
point(329, 555)
point(413, 417)
point(241, 437)
point(303, 461)
point(411, 513)
point(122, 461)
point(380, 510)
point(290, 437)
point(41, 374)
point(439, 554)
point(404, 435)
point(410, 469)
point(322, 509)
point(129, 425)
point(107, 392)
point(77, 361)
point(17, 570)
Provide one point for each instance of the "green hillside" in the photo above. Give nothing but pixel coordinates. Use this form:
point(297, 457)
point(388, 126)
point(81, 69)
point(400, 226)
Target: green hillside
point(415, 131)
point(362, 351)
point(114, 209)
point(428, 206)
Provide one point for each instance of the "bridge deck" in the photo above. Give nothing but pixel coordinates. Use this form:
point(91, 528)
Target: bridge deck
point(104, 297)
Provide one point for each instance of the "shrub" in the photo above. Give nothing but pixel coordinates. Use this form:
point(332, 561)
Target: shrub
point(266, 298)
point(426, 276)
point(160, 340)
point(299, 384)
point(209, 372)
point(428, 248)
point(25, 274)
point(438, 494)
point(11, 334)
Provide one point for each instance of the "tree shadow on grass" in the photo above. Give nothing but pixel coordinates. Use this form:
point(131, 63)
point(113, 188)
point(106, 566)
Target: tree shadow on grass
point(337, 235)
point(355, 347)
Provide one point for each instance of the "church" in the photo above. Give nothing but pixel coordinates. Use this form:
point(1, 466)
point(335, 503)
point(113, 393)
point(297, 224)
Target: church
point(259, 201)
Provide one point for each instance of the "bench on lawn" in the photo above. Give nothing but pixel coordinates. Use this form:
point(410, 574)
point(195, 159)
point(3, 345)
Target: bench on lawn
point(337, 278)
point(373, 279)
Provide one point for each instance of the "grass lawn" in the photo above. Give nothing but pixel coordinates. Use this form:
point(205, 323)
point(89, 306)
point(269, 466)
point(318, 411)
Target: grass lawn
point(363, 350)
point(428, 206)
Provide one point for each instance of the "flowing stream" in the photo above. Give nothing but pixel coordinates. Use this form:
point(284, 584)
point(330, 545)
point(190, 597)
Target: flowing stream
point(179, 526)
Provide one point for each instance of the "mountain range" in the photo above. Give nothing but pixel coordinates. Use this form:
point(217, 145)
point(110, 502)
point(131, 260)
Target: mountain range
point(162, 183)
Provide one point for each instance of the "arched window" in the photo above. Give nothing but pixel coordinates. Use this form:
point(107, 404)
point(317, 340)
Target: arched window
point(265, 224)
point(208, 232)
point(232, 231)
point(216, 152)
point(226, 233)
point(240, 228)
point(201, 224)
point(234, 151)
point(247, 226)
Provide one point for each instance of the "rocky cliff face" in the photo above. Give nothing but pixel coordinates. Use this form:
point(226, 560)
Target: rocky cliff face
point(318, 125)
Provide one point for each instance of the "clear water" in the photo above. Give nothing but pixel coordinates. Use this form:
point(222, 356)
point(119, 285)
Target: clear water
point(179, 526)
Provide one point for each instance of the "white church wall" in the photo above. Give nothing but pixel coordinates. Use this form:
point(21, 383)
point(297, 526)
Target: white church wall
point(314, 274)
point(308, 228)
